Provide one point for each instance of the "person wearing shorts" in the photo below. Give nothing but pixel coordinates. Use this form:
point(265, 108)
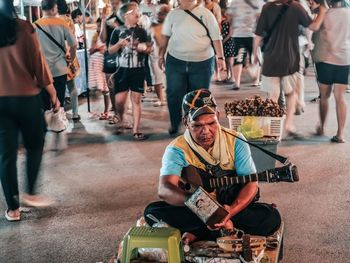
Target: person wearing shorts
point(131, 43)
point(244, 15)
point(97, 78)
point(331, 55)
point(243, 47)
point(281, 54)
point(337, 77)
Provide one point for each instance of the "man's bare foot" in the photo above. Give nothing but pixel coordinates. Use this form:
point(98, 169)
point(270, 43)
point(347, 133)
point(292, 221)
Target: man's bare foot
point(188, 238)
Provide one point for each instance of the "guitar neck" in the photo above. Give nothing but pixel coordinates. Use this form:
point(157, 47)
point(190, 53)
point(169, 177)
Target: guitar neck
point(227, 181)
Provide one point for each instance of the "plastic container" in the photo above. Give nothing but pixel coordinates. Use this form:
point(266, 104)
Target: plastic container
point(271, 126)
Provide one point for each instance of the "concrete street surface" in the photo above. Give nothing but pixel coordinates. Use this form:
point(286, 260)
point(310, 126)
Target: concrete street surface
point(102, 182)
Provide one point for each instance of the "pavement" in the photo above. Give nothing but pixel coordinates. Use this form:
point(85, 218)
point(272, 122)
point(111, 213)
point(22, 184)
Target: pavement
point(102, 182)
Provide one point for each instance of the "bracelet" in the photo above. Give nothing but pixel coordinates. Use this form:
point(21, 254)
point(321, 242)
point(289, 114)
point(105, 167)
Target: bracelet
point(222, 58)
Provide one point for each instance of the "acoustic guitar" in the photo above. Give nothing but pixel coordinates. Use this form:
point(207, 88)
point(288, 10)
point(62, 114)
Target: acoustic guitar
point(206, 207)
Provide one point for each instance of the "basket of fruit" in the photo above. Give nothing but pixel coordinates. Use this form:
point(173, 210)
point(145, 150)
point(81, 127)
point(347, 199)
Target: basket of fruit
point(256, 117)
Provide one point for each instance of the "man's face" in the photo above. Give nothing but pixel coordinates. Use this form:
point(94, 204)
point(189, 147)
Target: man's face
point(78, 19)
point(133, 16)
point(115, 4)
point(203, 129)
point(162, 13)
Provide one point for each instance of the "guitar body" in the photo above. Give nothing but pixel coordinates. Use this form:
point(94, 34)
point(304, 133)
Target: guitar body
point(225, 193)
point(191, 176)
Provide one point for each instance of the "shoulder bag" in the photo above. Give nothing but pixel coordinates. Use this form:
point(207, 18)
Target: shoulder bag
point(205, 27)
point(73, 68)
point(110, 64)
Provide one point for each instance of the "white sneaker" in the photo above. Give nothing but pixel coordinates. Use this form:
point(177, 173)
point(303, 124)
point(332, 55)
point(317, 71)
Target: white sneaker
point(36, 200)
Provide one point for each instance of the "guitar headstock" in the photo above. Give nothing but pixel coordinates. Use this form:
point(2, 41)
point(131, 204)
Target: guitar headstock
point(287, 173)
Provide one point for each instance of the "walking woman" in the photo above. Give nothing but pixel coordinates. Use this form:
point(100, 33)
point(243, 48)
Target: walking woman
point(188, 34)
point(331, 55)
point(23, 73)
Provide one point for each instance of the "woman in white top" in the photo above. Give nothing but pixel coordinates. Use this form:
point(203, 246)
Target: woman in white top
point(190, 59)
point(331, 55)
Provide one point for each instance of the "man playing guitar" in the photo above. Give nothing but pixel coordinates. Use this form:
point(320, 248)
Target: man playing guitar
point(206, 145)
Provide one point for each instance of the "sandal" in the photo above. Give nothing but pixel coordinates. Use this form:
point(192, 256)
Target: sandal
point(337, 140)
point(292, 135)
point(139, 136)
point(235, 88)
point(12, 218)
point(113, 119)
point(128, 125)
point(317, 99)
point(228, 81)
point(104, 116)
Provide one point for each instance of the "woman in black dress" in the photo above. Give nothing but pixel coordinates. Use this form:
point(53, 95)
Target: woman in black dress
point(226, 31)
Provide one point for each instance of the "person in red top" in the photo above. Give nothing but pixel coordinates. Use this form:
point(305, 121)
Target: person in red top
point(23, 73)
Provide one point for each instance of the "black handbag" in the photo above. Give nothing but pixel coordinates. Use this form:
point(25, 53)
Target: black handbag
point(109, 63)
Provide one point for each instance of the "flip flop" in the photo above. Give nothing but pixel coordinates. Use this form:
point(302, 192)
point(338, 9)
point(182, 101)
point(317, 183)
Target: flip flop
point(128, 126)
point(292, 135)
point(12, 218)
point(219, 82)
point(228, 81)
point(139, 136)
point(337, 140)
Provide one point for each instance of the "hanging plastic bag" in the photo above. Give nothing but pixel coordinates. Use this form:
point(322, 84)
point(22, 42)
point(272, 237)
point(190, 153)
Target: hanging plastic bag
point(57, 124)
point(56, 121)
point(250, 128)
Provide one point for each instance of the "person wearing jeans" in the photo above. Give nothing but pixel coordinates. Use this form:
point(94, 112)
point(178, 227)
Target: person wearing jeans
point(73, 92)
point(20, 113)
point(56, 59)
point(183, 77)
point(190, 60)
point(60, 87)
point(21, 107)
point(64, 13)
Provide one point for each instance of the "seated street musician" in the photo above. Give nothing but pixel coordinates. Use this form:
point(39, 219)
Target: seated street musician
point(206, 145)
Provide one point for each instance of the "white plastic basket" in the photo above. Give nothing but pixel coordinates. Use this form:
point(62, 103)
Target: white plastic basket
point(272, 126)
